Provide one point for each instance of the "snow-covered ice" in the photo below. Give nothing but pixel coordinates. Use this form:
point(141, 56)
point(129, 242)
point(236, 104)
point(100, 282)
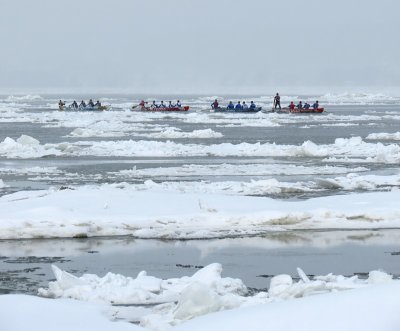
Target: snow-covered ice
point(384, 136)
point(342, 148)
point(158, 212)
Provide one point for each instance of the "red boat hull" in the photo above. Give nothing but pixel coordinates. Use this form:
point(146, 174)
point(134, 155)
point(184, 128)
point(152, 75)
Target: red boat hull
point(300, 111)
point(318, 110)
point(185, 108)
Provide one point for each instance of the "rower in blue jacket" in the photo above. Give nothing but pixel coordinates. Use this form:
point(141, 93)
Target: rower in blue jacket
point(252, 105)
point(230, 106)
point(238, 106)
point(315, 105)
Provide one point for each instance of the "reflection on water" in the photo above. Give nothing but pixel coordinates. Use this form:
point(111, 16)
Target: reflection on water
point(25, 264)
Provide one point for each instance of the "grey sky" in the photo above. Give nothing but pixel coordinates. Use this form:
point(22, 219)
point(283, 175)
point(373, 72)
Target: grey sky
point(198, 46)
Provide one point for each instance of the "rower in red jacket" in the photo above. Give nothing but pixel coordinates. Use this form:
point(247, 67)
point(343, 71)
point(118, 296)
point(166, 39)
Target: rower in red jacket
point(292, 106)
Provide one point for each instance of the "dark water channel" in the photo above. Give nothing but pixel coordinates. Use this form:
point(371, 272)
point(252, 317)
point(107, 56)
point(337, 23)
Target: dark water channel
point(25, 265)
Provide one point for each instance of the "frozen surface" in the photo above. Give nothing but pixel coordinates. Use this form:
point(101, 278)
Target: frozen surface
point(370, 309)
point(155, 211)
point(205, 292)
point(23, 312)
point(342, 148)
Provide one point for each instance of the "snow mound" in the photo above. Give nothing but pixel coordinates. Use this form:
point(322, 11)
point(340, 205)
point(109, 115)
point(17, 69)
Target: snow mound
point(26, 147)
point(368, 309)
point(143, 289)
point(181, 299)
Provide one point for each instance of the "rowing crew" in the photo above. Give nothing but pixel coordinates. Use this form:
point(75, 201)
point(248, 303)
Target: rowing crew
point(83, 104)
point(238, 106)
point(306, 106)
point(162, 104)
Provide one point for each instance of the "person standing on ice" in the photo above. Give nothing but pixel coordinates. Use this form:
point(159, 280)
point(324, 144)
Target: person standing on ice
point(277, 101)
point(215, 104)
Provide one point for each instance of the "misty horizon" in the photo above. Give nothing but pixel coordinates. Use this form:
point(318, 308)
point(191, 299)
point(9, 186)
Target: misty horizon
point(185, 46)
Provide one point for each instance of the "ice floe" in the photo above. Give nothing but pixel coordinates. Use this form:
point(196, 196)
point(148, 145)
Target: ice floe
point(384, 136)
point(124, 209)
point(239, 169)
point(341, 149)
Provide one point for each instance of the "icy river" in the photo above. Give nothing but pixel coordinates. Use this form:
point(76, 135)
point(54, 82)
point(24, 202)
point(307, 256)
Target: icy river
point(123, 191)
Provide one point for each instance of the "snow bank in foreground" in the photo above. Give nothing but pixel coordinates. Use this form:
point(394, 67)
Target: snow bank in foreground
point(205, 292)
point(122, 209)
point(24, 312)
point(371, 309)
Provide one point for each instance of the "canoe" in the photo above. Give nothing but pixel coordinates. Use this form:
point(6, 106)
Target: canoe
point(87, 108)
point(298, 111)
point(226, 110)
point(137, 108)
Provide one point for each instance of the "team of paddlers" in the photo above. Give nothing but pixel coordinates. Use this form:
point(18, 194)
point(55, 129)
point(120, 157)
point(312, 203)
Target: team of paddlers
point(215, 106)
point(154, 105)
point(82, 105)
point(239, 106)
